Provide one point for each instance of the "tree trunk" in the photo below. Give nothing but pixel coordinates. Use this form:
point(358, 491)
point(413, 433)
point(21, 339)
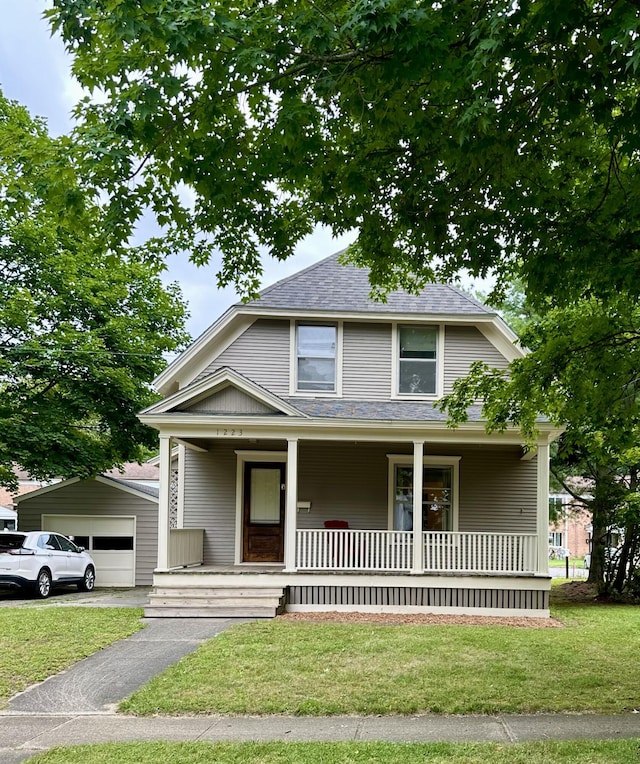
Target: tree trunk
point(600, 515)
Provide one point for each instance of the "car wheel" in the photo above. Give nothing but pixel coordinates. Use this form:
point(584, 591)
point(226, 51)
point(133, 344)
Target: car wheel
point(88, 581)
point(42, 586)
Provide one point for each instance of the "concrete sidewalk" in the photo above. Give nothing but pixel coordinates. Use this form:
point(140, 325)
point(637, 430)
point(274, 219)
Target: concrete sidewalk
point(23, 735)
point(97, 683)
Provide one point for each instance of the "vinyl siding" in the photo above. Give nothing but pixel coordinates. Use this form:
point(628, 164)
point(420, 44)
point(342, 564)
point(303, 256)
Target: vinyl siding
point(261, 354)
point(366, 365)
point(462, 346)
point(498, 490)
point(210, 500)
point(231, 401)
point(88, 497)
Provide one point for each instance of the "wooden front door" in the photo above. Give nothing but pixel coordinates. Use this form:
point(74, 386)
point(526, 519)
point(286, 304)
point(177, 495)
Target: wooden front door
point(263, 515)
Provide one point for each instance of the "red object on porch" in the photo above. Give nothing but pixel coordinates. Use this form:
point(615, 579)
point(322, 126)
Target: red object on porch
point(343, 524)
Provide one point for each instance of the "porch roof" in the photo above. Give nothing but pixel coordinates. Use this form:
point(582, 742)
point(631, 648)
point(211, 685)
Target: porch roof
point(404, 411)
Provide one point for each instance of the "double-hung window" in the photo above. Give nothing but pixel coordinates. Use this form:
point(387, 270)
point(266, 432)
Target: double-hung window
point(417, 363)
point(439, 488)
point(316, 358)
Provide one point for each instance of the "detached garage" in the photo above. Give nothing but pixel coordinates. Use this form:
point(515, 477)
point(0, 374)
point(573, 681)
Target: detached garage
point(115, 520)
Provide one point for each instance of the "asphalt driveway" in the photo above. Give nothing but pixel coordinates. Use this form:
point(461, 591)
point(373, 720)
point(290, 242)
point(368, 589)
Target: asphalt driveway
point(136, 597)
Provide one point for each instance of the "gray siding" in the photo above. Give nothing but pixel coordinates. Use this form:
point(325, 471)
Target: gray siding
point(366, 364)
point(89, 497)
point(210, 500)
point(229, 401)
point(462, 346)
point(498, 490)
point(261, 354)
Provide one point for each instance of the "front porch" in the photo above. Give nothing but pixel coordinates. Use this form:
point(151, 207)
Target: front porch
point(388, 527)
point(360, 571)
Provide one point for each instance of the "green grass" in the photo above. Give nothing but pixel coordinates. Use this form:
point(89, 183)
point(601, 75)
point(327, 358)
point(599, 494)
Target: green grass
point(579, 752)
point(295, 667)
point(577, 561)
point(37, 642)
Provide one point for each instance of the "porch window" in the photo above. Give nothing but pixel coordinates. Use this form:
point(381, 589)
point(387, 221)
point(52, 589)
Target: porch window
point(316, 358)
point(437, 499)
point(418, 360)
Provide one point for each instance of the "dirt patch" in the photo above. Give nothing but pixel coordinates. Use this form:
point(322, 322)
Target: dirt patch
point(423, 619)
point(574, 591)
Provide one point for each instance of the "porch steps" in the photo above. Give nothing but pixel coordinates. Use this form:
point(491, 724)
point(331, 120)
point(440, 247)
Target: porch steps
point(215, 602)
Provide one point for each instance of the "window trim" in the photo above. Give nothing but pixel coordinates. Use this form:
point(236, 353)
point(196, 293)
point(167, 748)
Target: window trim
point(406, 460)
point(395, 362)
point(293, 359)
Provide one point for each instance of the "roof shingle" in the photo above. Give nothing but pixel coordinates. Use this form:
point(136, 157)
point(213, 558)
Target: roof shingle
point(330, 285)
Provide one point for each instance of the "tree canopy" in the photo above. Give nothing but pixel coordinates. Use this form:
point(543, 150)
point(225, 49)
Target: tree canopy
point(493, 136)
point(82, 330)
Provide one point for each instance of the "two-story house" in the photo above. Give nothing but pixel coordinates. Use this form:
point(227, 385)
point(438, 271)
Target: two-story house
point(317, 473)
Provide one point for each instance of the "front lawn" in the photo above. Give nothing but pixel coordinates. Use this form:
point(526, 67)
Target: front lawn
point(580, 752)
point(37, 642)
point(296, 667)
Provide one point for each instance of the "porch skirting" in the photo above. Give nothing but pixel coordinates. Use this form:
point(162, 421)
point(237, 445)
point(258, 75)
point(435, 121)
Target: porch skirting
point(411, 599)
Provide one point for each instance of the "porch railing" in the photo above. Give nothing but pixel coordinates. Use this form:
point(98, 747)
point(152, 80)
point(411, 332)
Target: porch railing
point(354, 550)
point(480, 552)
point(185, 547)
point(392, 551)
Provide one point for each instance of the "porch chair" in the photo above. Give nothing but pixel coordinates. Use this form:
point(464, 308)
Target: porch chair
point(336, 524)
point(353, 550)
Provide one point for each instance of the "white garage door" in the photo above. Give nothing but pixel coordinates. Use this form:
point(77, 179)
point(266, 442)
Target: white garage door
point(109, 540)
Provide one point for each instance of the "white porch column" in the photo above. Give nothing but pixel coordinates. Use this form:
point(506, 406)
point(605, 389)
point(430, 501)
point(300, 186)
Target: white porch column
point(542, 525)
point(291, 507)
point(163, 502)
point(418, 557)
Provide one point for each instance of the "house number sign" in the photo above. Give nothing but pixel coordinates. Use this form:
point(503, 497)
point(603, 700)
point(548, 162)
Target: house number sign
point(229, 432)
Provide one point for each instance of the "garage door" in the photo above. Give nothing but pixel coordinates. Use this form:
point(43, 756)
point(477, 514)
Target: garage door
point(109, 540)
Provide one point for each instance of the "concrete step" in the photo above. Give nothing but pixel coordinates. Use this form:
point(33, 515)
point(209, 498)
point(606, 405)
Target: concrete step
point(208, 612)
point(215, 602)
point(218, 591)
point(194, 600)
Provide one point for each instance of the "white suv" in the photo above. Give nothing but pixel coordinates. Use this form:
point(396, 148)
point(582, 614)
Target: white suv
point(39, 560)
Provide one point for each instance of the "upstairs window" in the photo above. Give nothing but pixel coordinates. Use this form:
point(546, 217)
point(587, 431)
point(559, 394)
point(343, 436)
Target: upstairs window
point(418, 358)
point(316, 358)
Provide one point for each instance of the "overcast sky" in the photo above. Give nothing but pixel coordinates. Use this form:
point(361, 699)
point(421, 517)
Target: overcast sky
point(34, 69)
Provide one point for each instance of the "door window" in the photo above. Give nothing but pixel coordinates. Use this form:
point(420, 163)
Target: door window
point(264, 506)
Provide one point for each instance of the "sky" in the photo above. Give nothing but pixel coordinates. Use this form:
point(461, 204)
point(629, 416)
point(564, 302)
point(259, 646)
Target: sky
point(35, 70)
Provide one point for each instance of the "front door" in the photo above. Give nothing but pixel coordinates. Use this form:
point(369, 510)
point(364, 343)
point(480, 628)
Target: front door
point(263, 516)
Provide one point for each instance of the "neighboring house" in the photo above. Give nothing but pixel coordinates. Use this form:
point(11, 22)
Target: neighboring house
point(317, 472)
point(26, 484)
point(115, 519)
point(571, 533)
point(8, 519)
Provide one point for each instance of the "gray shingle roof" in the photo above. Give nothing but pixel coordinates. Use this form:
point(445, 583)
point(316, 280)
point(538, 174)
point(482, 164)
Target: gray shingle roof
point(331, 286)
point(148, 489)
point(399, 411)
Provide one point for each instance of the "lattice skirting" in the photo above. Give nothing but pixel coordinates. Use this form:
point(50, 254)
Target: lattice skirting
point(393, 597)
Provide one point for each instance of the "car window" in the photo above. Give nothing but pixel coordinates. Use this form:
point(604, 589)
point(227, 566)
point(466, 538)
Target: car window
point(48, 541)
point(11, 541)
point(66, 545)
